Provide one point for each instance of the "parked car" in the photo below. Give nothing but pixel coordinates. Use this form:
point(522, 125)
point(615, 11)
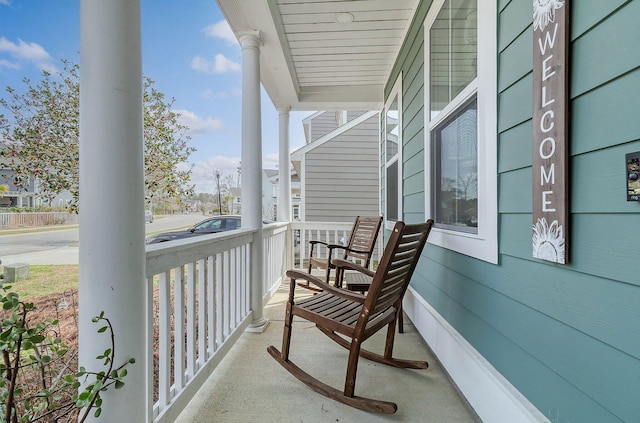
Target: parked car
point(148, 216)
point(211, 225)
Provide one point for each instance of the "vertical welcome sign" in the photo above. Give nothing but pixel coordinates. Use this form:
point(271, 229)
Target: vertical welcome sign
point(550, 130)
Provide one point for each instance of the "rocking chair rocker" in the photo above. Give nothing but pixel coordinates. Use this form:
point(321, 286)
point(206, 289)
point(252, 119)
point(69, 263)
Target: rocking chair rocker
point(349, 318)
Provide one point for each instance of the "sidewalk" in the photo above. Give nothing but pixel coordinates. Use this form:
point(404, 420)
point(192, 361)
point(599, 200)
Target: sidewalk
point(62, 255)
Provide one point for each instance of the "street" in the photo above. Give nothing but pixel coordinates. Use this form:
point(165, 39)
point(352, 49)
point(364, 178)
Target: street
point(60, 246)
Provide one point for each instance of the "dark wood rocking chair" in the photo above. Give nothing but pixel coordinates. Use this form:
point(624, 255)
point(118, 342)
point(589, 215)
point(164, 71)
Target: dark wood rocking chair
point(350, 318)
point(362, 242)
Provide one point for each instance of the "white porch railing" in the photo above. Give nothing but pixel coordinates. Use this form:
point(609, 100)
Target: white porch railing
point(198, 302)
point(330, 232)
point(277, 257)
point(198, 296)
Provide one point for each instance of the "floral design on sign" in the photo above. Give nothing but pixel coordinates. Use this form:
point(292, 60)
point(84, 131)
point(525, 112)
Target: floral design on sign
point(548, 241)
point(544, 12)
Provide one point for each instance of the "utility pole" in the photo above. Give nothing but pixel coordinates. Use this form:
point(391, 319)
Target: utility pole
point(217, 174)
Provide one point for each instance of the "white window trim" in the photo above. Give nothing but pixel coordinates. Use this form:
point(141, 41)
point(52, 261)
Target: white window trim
point(396, 90)
point(484, 244)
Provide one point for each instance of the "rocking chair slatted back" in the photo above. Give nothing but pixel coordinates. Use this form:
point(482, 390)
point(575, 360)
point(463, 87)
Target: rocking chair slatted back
point(398, 263)
point(363, 238)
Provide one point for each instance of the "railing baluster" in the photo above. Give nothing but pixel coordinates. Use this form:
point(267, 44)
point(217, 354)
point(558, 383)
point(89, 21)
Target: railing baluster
point(233, 290)
point(242, 278)
point(202, 313)
point(150, 339)
point(226, 295)
point(219, 301)
point(212, 306)
point(237, 254)
point(179, 316)
point(191, 320)
point(164, 338)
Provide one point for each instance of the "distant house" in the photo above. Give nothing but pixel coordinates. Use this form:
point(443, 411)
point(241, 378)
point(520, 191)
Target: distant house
point(339, 166)
point(11, 196)
point(269, 194)
point(236, 202)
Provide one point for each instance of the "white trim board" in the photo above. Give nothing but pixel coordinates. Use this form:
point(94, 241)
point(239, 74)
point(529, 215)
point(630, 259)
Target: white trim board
point(492, 397)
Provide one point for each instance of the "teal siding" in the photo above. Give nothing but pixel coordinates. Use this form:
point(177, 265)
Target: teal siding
point(566, 336)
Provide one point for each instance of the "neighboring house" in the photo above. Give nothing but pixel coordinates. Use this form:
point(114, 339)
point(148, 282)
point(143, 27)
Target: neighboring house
point(13, 197)
point(270, 180)
point(269, 194)
point(236, 202)
point(524, 339)
point(338, 167)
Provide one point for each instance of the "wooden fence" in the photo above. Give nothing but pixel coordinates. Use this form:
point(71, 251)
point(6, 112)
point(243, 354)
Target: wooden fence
point(25, 220)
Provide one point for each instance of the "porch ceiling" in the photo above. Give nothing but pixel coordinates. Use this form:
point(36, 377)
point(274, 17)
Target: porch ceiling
point(324, 54)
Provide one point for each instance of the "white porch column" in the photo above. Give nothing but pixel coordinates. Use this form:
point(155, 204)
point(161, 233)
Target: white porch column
point(112, 248)
point(252, 169)
point(284, 178)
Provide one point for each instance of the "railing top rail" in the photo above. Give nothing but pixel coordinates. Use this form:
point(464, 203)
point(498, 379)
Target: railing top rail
point(341, 226)
point(169, 255)
point(275, 228)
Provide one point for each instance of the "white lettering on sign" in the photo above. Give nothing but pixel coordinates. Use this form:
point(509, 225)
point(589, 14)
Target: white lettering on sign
point(546, 202)
point(548, 177)
point(552, 148)
point(546, 102)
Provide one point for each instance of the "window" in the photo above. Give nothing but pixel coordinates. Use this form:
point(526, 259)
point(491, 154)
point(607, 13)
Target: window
point(392, 142)
point(455, 170)
point(460, 126)
point(296, 212)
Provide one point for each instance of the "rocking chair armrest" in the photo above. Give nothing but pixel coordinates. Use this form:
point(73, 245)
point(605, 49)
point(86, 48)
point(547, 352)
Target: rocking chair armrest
point(329, 246)
point(295, 274)
point(348, 265)
point(343, 293)
point(313, 242)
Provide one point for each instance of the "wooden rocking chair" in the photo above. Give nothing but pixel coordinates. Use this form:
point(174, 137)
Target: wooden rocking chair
point(362, 242)
point(350, 318)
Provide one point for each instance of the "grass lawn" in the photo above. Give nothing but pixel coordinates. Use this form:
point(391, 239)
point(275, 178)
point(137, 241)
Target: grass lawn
point(46, 280)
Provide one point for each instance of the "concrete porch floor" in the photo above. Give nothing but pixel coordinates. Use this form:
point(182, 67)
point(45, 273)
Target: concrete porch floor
point(251, 387)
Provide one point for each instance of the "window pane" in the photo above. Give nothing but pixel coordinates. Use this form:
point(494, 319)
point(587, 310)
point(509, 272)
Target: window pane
point(452, 40)
point(392, 191)
point(456, 170)
point(391, 131)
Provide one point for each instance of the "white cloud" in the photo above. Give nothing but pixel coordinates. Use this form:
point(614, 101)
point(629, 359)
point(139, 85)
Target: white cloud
point(203, 173)
point(219, 64)
point(23, 52)
point(221, 30)
point(270, 161)
point(5, 2)
point(7, 64)
point(209, 94)
point(198, 125)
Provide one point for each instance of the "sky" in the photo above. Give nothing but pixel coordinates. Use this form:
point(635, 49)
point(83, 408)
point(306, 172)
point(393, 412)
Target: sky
point(187, 49)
